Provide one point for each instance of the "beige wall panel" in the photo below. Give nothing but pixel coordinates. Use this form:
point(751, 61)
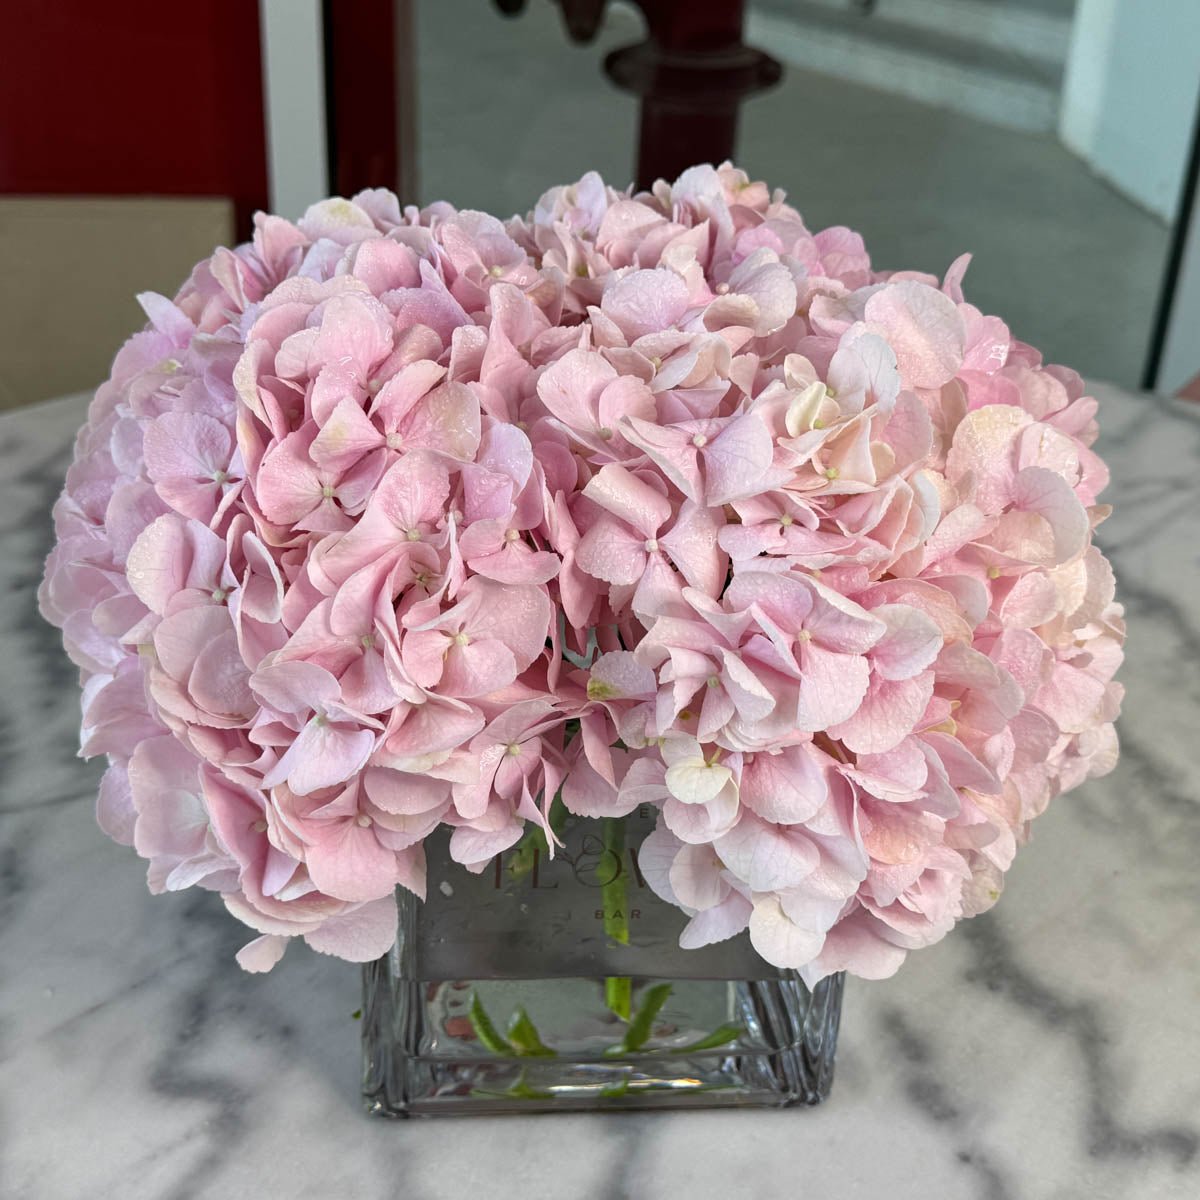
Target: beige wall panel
point(71, 267)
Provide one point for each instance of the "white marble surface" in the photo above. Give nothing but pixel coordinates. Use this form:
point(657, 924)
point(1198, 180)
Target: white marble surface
point(1049, 1050)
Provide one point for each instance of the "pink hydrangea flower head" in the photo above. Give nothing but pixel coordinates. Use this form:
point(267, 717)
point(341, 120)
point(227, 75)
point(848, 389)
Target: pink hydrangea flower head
point(398, 519)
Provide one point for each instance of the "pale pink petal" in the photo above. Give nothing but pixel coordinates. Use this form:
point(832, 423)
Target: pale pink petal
point(618, 676)
point(644, 302)
point(923, 327)
point(356, 331)
point(446, 420)
point(611, 551)
point(765, 856)
point(985, 449)
point(1046, 493)
point(158, 562)
point(263, 953)
point(167, 317)
point(832, 686)
point(1070, 697)
point(398, 396)
point(911, 643)
point(697, 823)
point(288, 486)
point(348, 862)
point(838, 623)
point(361, 934)
point(779, 939)
point(692, 545)
point(629, 498)
point(413, 491)
point(751, 698)
point(695, 877)
point(477, 668)
point(855, 944)
point(655, 857)
point(889, 712)
point(186, 444)
point(862, 372)
point(716, 924)
point(626, 396)
point(295, 687)
point(430, 728)
point(474, 848)
point(220, 681)
point(323, 754)
point(674, 450)
point(570, 388)
point(519, 616)
point(695, 781)
point(404, 792)
point(115, 813)
point(345, 437)
point(736, 460)
point(786, 788)
point(183, 637)
point(963, 769)
point(587, 793)
point(1032, 601)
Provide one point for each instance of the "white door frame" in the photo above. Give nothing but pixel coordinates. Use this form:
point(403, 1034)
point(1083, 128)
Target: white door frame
point(293, 67)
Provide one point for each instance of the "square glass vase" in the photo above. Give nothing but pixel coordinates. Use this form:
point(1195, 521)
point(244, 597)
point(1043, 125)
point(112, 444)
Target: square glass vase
point(559, 984)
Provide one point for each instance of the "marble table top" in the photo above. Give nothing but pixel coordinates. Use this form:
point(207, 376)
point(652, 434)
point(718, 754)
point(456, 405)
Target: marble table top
point(1048, 1050)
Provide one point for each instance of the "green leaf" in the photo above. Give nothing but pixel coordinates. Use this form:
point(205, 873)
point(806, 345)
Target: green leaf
point(522, 1091)
point(485, 1031)
point(638, 1033)
point(523, 1035)
point(558, 814)
point(356, 1015)
point(525, 852)
point(721, 1036)
point(519, 1089)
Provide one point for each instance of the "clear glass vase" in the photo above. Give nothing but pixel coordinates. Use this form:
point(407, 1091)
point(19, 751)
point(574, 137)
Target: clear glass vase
point(559, 984)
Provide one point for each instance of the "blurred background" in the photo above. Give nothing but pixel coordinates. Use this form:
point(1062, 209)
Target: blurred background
point(1054, 139)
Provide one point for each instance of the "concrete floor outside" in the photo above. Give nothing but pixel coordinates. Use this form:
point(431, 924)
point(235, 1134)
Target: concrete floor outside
point(510, 106)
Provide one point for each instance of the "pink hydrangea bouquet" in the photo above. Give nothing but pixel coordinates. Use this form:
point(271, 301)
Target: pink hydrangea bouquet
point(396, 519)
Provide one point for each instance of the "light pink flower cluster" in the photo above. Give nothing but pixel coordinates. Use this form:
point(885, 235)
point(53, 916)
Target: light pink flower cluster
point(385, 499)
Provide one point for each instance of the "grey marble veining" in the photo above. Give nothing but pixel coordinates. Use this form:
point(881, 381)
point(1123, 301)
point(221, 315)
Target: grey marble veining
point(1045, 1051)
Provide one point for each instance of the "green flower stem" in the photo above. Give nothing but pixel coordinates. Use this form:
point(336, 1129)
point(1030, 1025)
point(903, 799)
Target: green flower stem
point(618, 990)
point(618, 995)
point(523, 1039)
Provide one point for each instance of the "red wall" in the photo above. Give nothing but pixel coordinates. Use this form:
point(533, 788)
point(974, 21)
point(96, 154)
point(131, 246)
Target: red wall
point(132, 97)
point(360, 40)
